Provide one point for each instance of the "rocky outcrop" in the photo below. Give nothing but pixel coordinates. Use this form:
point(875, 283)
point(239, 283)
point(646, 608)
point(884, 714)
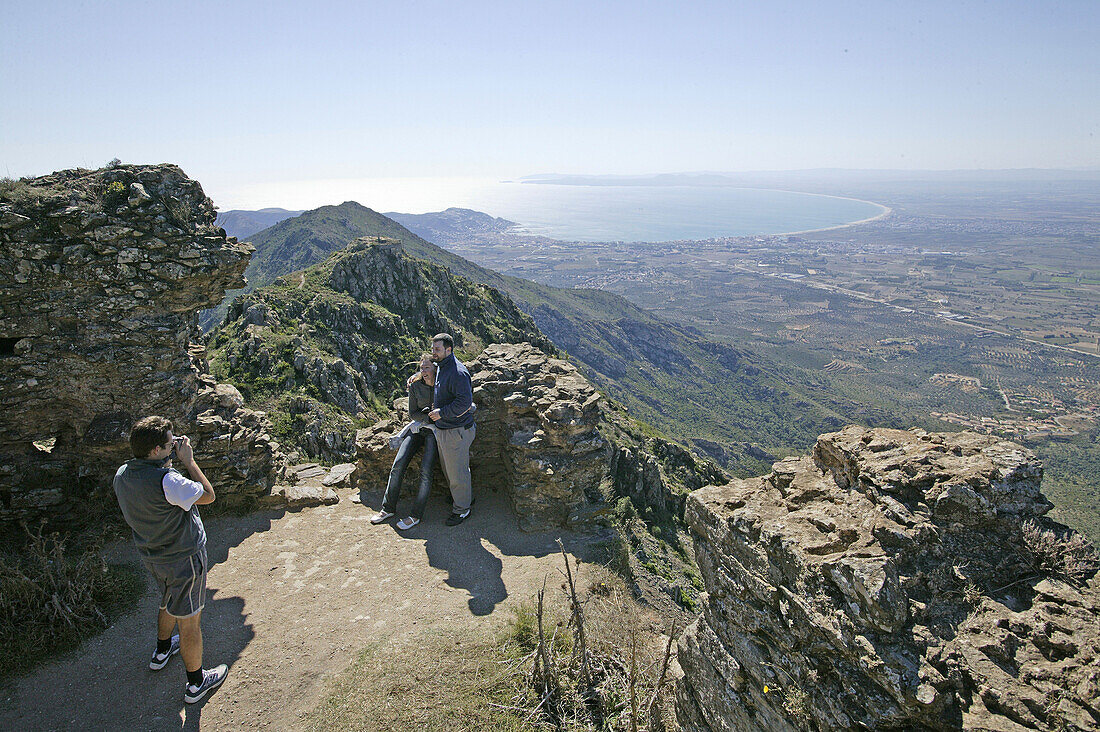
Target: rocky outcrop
point(892, 580)
point(545, 437)
point(107, 271)
point(309, 484)
point(537, 435)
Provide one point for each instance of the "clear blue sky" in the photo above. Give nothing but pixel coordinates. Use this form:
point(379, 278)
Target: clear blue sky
point(241, 93)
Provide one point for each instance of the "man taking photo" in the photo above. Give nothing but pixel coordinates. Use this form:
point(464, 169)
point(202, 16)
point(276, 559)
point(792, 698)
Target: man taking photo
point(161, 506)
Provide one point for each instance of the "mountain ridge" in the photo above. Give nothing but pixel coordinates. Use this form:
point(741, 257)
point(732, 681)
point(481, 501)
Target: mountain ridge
point(451, 224)
point(693, 390)
point(330, 346)
point(242, 224)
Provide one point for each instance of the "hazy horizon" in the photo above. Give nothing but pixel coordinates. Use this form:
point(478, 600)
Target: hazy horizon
point(424, 195)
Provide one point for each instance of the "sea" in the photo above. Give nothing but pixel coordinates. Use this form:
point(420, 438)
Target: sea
point(647, 213)
point(665, 213)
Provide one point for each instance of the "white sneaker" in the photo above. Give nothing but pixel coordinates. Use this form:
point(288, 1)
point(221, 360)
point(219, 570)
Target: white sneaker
point(212, 678)
point(160, 660)
point(380, 516)
point(407, 523)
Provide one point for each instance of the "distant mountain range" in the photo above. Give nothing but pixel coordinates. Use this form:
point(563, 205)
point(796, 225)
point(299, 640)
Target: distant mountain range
point(453, 224)
point(786, 178)
point(243, 224)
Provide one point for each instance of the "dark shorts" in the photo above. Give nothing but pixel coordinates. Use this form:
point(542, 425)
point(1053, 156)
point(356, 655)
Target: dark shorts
point(182, 584)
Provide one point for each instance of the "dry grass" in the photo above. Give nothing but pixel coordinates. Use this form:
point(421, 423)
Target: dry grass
point(50, 601)
point(612, 675)
point(1071, 557)
point(442, 682)
point(438, 683)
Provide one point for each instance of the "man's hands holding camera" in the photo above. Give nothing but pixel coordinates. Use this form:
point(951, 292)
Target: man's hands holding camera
point(183, 450)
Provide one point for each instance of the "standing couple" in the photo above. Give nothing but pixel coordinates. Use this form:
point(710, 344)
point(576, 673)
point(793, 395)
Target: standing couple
point(441, 408)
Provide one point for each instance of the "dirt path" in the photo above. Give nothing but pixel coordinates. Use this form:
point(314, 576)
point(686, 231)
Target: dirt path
point(293, 596)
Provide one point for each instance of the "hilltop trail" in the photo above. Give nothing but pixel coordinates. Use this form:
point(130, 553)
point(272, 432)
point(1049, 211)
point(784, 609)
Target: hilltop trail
point(292, 598)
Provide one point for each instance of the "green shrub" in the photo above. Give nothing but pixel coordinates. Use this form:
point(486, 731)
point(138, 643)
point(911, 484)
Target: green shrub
point(114, 194)
point(523, 630)
point(624, 510)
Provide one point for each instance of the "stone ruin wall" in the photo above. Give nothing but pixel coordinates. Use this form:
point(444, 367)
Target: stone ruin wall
point(104, 272)
point(889, 582)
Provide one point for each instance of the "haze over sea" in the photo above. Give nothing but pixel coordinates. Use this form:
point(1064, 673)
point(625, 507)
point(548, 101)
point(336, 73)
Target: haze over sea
point(582, 212)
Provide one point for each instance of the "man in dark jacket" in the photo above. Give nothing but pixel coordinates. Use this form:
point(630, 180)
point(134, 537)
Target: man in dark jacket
point(453, 416)
point(161, 507)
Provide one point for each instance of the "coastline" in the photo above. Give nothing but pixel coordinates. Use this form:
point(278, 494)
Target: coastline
point(885, 211)
point(517, 228)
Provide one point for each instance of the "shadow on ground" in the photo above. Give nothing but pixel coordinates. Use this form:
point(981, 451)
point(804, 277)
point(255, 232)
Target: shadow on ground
point(113, 666)
point(463, 550)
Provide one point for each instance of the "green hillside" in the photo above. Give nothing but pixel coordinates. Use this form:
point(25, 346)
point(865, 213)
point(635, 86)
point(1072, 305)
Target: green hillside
point(327, 348)
point(727, 401)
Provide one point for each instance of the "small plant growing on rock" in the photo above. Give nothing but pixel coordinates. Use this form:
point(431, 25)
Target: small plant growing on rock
point(1071, 557)
point(21, 192)
point(972, 594)
point(114, 194)
point(795, 700)
point(796, 703)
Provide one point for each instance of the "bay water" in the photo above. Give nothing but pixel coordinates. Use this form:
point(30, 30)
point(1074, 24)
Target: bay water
point(663, 213)
point(647, 213)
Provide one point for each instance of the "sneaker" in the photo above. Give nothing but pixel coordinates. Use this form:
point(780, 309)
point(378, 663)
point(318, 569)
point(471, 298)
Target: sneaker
point(212, 678)
point(407, 523)
point(160, 660)
point(380, 516)
point(456, 518)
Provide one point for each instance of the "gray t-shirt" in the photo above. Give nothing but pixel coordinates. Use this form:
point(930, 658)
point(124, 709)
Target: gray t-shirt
point(159, 505)
point(420, 400)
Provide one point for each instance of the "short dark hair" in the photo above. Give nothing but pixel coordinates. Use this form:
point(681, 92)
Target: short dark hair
point(149, 433)
point(448, 342)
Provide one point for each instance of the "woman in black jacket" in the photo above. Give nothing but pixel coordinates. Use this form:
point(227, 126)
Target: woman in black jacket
point(418, 433)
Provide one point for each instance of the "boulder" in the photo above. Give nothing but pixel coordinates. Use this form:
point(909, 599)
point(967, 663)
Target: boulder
point(304, 495)
point(339, 476)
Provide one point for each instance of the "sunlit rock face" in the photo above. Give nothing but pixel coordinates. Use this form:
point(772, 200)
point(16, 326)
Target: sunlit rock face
point(546, 438)
point(890, 580)
point(104, 272)
point(537, 435)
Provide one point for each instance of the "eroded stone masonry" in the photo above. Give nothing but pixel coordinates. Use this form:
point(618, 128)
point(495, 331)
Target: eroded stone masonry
point(104, 273)
point(892, 580)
